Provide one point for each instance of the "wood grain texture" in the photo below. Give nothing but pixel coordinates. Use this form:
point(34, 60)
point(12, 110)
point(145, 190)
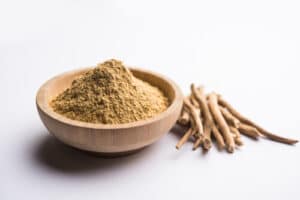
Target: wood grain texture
point(109, 139)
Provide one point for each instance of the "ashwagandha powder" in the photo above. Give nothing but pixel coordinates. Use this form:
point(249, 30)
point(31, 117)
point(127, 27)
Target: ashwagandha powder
point(110, 94)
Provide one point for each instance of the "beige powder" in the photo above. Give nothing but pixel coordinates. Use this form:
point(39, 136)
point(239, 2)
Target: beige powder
point(110, 94)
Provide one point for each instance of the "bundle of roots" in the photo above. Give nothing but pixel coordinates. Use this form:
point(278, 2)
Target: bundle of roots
point(208, 117)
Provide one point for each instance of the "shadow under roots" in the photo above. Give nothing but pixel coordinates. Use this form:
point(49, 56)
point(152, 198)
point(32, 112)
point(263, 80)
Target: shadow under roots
point(178, 131)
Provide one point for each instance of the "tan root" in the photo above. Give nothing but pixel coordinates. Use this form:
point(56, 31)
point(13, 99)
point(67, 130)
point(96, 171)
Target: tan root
point(249, 131)
point(219, 138)
point(249, 122)
point(198, 127)
point(198, 94)
point(237, 135)
point(185, 138)
point(194, 101)
point(221, 122)
point(229, 117)
point(184, 118)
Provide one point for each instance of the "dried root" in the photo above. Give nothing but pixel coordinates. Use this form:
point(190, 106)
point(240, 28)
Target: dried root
point(185, 137)
point(236, 136)
point(195, 117)
point(245, 120)
point(184, 118)
point(211, 117)
point(198, 94)
point(221, 123)
point(219, 138)
point(249, 131)
point(229, 117)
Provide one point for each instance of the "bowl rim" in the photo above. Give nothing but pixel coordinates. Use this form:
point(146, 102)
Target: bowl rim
point(43, 105)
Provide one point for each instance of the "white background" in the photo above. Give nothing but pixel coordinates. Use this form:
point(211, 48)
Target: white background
point(249, 51)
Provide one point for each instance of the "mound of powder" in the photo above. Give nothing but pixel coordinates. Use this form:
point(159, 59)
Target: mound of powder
point(110, 94)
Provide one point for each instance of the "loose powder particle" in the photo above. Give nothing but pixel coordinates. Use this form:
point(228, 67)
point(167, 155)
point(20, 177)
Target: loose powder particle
point(110, 94)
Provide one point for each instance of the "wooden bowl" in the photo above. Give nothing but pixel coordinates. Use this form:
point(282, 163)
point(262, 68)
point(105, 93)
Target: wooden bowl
point(108, 139)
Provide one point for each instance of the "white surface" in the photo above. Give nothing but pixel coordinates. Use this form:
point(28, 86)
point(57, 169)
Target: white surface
point(248, 51)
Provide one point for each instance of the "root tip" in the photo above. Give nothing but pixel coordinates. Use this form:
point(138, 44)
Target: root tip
point(230, 149)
